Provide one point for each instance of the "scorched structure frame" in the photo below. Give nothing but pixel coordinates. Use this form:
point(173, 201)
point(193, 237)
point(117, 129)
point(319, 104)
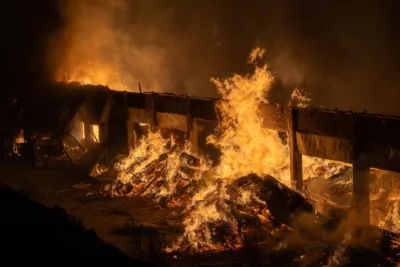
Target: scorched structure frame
point(361, 139)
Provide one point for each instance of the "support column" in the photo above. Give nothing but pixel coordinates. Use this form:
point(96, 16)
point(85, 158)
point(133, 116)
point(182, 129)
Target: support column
point(126, 111)
point(296, 159)
point(129, 128)
point(154, 123)
point(361, 182)
point(194, 136)
point(188, 120)
point(105, 117)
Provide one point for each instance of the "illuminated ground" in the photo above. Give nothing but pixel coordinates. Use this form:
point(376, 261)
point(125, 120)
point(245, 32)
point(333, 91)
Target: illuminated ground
point(67, 187)
point(56, 187)
point(107, 217)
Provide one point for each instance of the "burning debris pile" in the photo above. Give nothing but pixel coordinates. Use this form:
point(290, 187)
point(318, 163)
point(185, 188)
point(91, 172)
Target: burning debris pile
point(214, 215)
point(215, 198)
point(158, 169)
point(250, 210)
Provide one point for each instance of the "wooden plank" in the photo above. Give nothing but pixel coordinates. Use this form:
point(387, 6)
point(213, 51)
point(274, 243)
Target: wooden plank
point(136, 100)
point(382, 130)
point(203, 109)
point(296, 162)
point(324, 122)
point(376, 129)
point(172, 104)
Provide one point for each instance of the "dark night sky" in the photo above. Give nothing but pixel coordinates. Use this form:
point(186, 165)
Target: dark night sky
point(346, 54)
point(25, 27)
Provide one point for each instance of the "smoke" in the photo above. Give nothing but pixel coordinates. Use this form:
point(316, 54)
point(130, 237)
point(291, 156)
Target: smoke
point(342, 53)
point(168, 46)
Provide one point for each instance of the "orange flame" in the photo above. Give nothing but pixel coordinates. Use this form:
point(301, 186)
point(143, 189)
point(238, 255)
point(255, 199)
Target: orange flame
point(20, 138)
point(246, 146)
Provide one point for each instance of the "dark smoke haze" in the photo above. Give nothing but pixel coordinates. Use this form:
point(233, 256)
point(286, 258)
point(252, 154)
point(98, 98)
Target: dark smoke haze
point(345, 54)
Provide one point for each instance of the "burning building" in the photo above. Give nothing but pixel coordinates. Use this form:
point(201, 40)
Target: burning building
point(249, 191)
point(233, 204)
point(262, 184)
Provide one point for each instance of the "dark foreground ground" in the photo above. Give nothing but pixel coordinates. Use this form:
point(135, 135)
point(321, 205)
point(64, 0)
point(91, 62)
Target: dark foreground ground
point(32, 234)
point(53, 233)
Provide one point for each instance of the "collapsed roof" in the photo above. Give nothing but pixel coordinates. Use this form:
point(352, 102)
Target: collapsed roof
point(51, 114)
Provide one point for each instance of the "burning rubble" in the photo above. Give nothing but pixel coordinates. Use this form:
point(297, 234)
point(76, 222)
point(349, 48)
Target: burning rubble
point(171, 176)
point(245, 198)
point(157, 169)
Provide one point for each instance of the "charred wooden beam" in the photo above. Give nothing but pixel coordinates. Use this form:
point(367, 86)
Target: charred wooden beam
point(154, 124)
point(326, 123)
point(203, 108)
point(361, 178)
point(361, 181)
point(194, 136)
point(296, 163)
point(377, 129)
point(137, 100)
point(283, 203)
point(188, 119)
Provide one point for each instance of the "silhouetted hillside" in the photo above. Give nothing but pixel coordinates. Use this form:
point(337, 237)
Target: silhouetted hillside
point(39, 236)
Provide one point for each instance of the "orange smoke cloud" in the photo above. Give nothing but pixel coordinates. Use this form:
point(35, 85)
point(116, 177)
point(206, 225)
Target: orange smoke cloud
point(97, 45)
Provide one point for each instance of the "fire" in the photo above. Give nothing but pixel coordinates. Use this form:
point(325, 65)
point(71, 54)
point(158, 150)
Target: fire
point(158, 168)
point(20, 138)
point(96, 133)
point(88, 72)
point(215, 211)
point(219, 205)
point(246, 146)
point(82, 128)
point(220, 202)
point(300, 98)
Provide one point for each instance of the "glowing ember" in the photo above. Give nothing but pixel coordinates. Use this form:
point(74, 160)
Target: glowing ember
point(82, 128)
point(20, 138)
point(96, 133)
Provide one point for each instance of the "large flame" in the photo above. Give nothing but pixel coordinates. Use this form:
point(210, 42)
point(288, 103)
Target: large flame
point(88, 72)
point(246, 146)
